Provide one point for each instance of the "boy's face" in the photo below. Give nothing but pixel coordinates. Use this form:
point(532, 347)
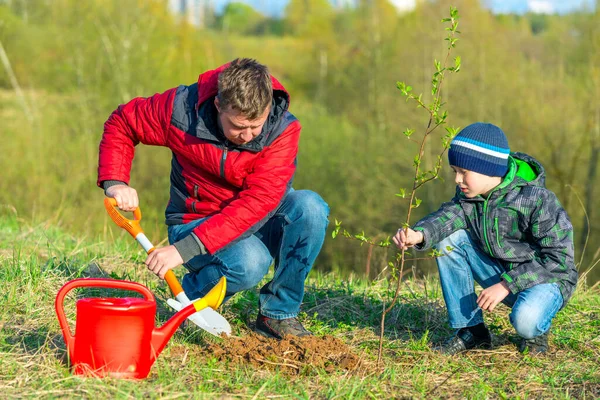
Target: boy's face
point(473, 184)
point(237, 128)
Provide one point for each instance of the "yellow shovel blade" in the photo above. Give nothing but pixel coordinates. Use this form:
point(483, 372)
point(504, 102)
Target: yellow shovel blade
point(214, 297)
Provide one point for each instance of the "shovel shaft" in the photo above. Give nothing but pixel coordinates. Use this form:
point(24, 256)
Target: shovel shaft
point(170, 277)
point(134, 228)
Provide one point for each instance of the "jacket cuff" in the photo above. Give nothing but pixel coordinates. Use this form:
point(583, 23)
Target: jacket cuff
point(424, 244)
point(107, 184)
point(190, 247)
point(510, 283)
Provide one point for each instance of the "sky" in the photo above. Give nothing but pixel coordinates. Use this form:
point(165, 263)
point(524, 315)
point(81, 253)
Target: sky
point(538, 6)
point(276, 7)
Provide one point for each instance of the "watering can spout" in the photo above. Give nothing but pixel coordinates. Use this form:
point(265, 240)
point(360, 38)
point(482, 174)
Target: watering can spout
point(213, 299)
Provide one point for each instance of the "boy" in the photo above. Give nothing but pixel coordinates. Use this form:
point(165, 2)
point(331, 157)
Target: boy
point(506, 231)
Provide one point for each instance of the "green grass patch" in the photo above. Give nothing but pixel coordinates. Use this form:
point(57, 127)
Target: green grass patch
point(35, 261)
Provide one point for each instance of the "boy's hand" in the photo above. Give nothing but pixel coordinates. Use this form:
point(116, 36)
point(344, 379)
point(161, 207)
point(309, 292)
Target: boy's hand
point(490, 297)
point(406, 238)
point(126, 197)
point(160, 261)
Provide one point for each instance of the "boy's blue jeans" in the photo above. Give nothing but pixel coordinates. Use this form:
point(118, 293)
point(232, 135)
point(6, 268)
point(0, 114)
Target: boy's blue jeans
point(291, 239)
point(532, 309)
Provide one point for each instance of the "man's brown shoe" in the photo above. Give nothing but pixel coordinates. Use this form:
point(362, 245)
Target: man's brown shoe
point(279, 328)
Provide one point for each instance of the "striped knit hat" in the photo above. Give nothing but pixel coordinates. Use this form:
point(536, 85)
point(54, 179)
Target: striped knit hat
point(482, 148)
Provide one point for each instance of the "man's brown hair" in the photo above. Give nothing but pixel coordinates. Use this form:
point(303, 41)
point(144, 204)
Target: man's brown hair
point(245, 86)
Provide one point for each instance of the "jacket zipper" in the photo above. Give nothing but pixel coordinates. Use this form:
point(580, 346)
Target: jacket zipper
point(223, 162)
point(485, 203)
point(497, 228)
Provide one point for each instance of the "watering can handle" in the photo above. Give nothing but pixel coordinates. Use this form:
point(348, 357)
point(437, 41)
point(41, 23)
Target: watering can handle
point(134, 228)
point(91, 282)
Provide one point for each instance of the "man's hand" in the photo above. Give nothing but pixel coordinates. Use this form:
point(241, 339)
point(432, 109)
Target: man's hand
point(489, 298)
point(126, 197)
point(407, 238)
point(160, 261)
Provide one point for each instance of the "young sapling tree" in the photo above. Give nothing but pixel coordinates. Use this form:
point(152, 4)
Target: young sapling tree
point(436, 117)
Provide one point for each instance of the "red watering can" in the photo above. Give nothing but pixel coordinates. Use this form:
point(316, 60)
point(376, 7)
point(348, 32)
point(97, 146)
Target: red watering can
point(116, 337)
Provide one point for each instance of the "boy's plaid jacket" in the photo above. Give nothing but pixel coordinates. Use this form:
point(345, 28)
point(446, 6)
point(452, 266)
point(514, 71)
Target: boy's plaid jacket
point(522, 225)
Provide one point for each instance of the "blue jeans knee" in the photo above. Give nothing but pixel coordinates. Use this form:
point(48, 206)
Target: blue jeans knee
point(307, 207)
point(247, 262)
point(534, 310)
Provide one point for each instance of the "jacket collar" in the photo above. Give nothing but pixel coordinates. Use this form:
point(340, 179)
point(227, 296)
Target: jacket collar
point(523, 170)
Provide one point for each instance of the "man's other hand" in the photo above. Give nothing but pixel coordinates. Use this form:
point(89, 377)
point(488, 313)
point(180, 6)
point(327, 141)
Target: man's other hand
point(160, 261)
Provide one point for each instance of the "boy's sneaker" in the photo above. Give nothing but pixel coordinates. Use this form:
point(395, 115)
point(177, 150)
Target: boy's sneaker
point(537, 345)
point(279, 328)
point(465, 340)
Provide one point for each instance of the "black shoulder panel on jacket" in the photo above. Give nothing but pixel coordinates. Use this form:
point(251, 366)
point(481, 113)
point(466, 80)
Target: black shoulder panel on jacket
point(281, 125)
point(184, 108)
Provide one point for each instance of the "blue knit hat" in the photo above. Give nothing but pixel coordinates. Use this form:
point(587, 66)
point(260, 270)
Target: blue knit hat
point(482, 148)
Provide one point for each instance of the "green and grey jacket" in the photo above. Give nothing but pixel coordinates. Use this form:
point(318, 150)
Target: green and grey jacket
point(521, 224)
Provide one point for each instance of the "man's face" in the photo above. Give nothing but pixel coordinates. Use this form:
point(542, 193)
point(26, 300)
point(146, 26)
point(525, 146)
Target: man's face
point(237, 128)
point(472, 183)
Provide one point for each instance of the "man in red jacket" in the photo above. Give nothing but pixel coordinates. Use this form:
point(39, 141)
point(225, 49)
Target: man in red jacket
point(232, 210)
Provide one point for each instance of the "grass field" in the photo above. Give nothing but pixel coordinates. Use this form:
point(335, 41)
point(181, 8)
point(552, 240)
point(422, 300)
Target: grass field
point(35, 261)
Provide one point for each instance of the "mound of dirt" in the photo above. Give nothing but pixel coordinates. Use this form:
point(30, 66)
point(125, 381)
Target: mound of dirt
point(293, 355)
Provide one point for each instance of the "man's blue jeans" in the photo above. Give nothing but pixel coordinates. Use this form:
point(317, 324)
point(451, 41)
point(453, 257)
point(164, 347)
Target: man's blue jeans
point(532, 309)
point(291, 239)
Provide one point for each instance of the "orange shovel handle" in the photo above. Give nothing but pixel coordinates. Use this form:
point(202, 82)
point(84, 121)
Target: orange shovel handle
point(130, 225)
point(134, 228)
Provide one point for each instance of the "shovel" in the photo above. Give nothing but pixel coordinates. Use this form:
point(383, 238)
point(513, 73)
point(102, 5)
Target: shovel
point(207, 318)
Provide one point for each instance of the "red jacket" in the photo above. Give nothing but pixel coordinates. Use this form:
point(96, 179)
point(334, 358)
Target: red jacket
point(238, 187)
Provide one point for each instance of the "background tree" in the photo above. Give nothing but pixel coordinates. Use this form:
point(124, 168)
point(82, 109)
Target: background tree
point(240, 18)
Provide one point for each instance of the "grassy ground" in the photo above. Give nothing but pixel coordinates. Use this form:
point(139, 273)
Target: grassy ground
point(35, 261)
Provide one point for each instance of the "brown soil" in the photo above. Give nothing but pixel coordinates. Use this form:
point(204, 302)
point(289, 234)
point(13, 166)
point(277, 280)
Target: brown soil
point(292, 355)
